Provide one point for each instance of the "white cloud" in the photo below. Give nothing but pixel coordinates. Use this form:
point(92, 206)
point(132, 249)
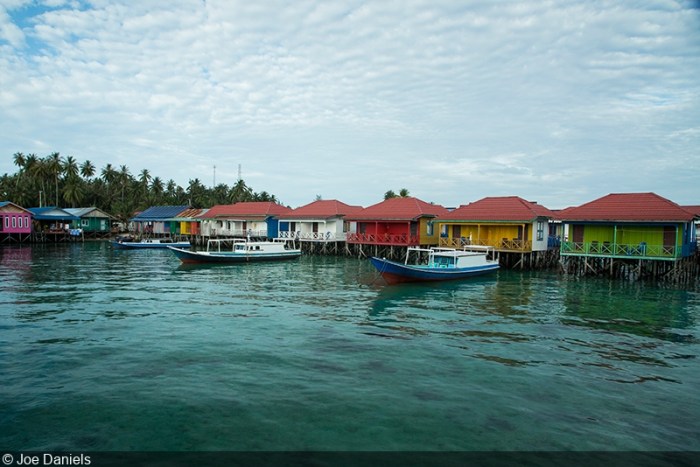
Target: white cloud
point(356, 98)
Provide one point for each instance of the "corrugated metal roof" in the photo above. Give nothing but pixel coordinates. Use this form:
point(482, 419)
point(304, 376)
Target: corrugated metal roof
point(87, 212)
point(399, 209)
point(50, 213)
point(323, 209)
point(499, 208)
point(191, 213)
point(10, 203)
point(156, 213)
point(250, 209)
point(628, 207)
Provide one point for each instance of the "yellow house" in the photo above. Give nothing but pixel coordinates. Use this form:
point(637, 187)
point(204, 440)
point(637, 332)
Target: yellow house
point(507, 223)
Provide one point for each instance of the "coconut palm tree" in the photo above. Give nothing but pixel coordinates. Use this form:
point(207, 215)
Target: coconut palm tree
point(54, 165)
point(87, 170)
point(73, 190)
point(20, 160)
point(70, 167)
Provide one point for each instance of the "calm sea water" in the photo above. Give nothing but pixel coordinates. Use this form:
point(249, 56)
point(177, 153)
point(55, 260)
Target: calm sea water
point(129, 350)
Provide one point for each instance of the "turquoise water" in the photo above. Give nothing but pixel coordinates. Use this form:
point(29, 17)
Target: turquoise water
point(129, 350)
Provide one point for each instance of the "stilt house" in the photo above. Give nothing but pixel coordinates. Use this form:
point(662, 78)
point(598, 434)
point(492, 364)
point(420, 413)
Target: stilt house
point(630, 226)
point(397, 222)
point(320, 221)
point(507, 223)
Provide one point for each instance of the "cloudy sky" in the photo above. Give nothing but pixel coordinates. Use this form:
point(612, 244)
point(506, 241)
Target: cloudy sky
point(557, 101)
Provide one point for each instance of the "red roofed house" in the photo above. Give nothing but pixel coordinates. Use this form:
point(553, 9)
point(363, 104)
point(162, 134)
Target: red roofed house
point(397, 222)
point(507, 223)
point(322, 220)
point(629, 225)
point(254, 219)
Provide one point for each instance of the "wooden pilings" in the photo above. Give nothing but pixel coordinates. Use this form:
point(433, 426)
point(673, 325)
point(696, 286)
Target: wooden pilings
point(681, 271)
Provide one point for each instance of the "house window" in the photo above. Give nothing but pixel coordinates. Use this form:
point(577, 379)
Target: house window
point(429, 230)
point(7, 222)
point(540, 230)
point(14, 222)
point(85, 222)
point(26, 222)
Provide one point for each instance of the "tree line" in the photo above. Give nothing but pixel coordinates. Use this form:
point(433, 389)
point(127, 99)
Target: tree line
point(60, 181)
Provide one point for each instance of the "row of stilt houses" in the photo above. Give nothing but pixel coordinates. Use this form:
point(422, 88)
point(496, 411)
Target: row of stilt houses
point(629, 235)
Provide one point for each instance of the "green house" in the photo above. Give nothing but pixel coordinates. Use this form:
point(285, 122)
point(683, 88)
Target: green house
point(629, 225)
point(92, 220)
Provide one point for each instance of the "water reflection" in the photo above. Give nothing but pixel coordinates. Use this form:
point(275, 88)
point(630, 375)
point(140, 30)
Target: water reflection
point(621, 307)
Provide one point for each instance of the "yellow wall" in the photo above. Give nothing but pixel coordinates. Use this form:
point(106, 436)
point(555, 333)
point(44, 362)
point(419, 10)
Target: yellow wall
point(426, 239)
point(488, 234)
point(632, 235)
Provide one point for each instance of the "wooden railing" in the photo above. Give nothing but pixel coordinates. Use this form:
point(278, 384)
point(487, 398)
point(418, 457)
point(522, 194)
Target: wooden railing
point(625, 250)
point(504, 244)
point(383, 239)
point(313, 236)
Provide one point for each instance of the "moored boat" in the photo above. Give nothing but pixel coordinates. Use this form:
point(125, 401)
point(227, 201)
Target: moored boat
point(437, 264)
point(241, 251)
point(148, 243)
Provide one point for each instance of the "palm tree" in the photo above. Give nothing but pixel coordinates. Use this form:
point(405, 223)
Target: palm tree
point(20, 160)
point(157, 191)
point(38, 170)
point(54, 165)
point(124, 178)
point(404, 193)
point(73, 190)
point(87, 170)
point(70, 167)
point(240, 192)
point(389, 194)
point(109, 174)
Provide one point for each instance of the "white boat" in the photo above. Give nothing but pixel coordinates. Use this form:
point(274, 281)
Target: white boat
point(437, 264)
point(148, 243)
point(240, 251)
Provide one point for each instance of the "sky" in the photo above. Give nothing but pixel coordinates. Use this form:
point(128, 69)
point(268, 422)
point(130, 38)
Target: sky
point(556, 101)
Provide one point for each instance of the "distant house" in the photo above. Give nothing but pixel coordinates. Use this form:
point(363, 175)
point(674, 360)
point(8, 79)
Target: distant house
point(629, 225)
point(51, 219)
point(507, 223)
point(695, 210)
point(190, 221)
point(15, 221)
point(91, 220)
point(253, 219)
point(322, 220)
point(397, 222)
point(158, 220)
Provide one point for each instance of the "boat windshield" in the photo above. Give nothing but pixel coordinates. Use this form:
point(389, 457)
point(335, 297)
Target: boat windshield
point(443, 261)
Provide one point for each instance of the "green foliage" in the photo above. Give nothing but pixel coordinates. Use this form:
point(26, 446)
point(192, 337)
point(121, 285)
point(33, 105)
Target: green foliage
point(403, 193)
point(55, 180)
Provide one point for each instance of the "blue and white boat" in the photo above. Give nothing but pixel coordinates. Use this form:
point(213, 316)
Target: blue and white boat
point(241, 251)
point(437, 264)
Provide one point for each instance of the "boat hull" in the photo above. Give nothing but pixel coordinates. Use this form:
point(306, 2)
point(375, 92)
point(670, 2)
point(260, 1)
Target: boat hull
point(395, 273)
point(199, 257)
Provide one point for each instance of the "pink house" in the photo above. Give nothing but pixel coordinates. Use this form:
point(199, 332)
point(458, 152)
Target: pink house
point(14, 220)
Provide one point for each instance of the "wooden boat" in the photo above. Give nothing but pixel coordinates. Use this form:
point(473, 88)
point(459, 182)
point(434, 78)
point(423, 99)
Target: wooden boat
point(125, 243)
point(241, 251)
point(437, 264)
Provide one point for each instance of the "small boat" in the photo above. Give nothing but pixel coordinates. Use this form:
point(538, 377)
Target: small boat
point(126, 243)
point(437, 264)
point(241, 251)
